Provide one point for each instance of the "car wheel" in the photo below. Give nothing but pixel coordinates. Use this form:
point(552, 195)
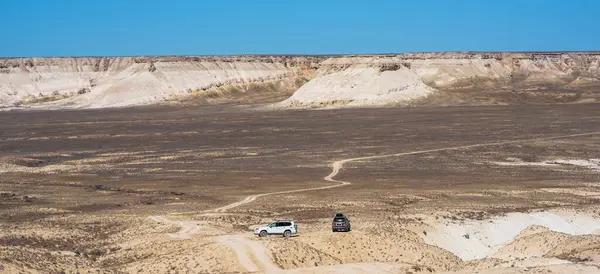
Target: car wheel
point(262, 234)
point(287, 233)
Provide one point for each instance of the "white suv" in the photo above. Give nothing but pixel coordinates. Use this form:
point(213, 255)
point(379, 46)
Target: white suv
point(281, 227)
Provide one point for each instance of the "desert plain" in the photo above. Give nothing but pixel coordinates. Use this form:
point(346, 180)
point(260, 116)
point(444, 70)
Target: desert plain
point(164, 189)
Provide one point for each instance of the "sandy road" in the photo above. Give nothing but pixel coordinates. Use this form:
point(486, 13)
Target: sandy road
point(187, 228)
point(337, 166)
point(252, 254)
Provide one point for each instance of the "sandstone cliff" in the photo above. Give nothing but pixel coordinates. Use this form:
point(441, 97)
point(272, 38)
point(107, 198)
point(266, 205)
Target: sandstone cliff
point(361, 80)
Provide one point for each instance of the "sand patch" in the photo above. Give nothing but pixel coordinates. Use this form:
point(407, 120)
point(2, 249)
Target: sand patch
point(473, 239)
point(593, 164)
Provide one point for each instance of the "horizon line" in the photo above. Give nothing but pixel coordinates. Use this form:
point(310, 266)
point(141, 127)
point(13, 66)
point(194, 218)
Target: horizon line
point(307, 55)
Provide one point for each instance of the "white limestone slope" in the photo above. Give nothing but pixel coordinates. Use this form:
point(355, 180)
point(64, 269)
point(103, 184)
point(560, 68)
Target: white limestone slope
point(124, 81)
point(359, 82)
point(475, 239)
point(402, 79)
point(353, 81)
point(145, 87)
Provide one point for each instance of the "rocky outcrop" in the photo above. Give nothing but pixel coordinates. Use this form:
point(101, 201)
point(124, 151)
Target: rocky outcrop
point(360, 80)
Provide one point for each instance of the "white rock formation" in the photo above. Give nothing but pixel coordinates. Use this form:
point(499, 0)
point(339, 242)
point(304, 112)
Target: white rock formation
point(400, 79)
point(473, 239)
point(367, 80)
point(128, 81)
point(363, 83)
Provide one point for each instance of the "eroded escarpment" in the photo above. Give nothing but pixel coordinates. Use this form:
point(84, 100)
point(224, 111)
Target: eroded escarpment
point(451, 78)
point(129, 81)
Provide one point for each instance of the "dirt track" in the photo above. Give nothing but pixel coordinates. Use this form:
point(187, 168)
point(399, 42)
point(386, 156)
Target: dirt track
point(97, 181)
point(246, 249)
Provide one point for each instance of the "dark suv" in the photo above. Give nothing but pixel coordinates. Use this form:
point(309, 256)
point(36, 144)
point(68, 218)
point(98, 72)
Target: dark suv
point(340, 223)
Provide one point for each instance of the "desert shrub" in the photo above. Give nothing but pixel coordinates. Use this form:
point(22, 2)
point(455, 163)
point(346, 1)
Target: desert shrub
point(389, 67)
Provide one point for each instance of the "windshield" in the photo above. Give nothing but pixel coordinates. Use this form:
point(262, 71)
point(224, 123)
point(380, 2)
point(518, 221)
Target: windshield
point(338, 220)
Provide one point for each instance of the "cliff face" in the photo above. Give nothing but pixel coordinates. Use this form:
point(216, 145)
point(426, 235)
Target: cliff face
point(334, 80)
point(447, 78)
point(128, 81)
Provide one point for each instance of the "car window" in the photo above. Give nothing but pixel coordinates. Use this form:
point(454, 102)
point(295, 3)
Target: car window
point(284, 224)
point(272, 225)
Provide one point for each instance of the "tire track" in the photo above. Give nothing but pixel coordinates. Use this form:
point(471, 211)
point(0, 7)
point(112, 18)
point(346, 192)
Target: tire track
point(187, 228)
point(338, 165)
point(251, 254)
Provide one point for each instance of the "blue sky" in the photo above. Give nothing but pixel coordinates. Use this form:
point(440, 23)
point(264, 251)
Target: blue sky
point(211, 27)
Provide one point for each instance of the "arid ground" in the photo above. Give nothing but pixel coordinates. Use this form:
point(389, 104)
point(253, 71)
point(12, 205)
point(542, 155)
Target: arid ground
point(496, 189)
